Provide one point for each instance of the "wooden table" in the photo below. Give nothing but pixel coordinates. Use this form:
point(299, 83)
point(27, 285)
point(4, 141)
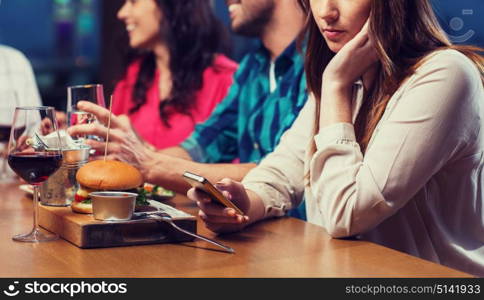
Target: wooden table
point(284, 247)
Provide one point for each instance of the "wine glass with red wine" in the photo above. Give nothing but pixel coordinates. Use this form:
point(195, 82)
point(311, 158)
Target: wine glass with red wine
point(8, 102)
point(34, 153)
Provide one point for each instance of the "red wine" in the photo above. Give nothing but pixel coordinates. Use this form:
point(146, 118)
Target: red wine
point(35, 168)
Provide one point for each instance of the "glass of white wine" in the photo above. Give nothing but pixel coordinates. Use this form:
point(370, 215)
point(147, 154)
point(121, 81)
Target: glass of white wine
point(90, 92)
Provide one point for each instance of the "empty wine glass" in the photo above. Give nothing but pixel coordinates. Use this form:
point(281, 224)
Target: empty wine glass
point(8, 102)
point(34, 153)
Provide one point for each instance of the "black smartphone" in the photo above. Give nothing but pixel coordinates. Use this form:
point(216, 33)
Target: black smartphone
point(202, 184)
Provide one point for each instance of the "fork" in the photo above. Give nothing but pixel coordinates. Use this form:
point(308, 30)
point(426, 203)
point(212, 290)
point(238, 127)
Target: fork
point(162, 216)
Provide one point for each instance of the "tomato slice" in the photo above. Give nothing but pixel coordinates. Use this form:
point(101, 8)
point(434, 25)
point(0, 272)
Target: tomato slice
point(81, 195)
point(79, 198)
point(148, 187)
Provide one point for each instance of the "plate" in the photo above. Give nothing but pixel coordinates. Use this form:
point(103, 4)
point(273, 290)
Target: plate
point(27, 188)
point(155, 206)
point(165, 196)
point(156, 192)
point(162, 195)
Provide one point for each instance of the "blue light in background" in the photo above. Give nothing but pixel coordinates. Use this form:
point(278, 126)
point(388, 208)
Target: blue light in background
point(27, 26)
point(61, 38)
point(52, 29)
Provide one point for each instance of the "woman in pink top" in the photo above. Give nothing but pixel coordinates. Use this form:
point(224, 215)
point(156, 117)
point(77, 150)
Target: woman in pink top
point(175, 77)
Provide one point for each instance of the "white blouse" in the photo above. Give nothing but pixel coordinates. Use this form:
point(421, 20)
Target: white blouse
point(419, 186)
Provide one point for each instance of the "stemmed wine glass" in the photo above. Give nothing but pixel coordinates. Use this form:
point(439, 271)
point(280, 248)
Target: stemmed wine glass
point(34, 153)
point(8, 102)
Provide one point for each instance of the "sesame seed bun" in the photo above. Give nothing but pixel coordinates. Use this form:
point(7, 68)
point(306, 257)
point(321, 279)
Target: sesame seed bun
point(109, 175)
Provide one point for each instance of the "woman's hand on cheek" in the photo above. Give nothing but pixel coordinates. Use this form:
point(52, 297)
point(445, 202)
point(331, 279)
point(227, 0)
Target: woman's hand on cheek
point(351, 61)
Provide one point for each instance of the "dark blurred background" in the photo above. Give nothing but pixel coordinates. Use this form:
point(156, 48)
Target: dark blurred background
point(72, 42)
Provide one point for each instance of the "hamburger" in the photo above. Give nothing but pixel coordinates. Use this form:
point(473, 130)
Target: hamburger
point(100, 175)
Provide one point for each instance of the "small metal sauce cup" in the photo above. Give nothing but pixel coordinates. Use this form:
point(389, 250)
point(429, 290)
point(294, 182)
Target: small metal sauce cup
point(113, 206)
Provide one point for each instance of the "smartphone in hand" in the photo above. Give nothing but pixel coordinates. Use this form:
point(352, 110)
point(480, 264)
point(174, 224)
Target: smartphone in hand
point(202, 184)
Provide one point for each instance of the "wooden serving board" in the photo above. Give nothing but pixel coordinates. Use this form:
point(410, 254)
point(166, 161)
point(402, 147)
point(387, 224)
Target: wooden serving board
point(85, 232)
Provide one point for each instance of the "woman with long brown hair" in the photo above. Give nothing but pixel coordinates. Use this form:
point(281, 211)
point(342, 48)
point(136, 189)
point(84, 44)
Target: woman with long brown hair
point(390, 145)
point(175, 74)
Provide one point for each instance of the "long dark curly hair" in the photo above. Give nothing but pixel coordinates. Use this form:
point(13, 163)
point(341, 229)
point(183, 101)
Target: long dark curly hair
point(193, 36)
